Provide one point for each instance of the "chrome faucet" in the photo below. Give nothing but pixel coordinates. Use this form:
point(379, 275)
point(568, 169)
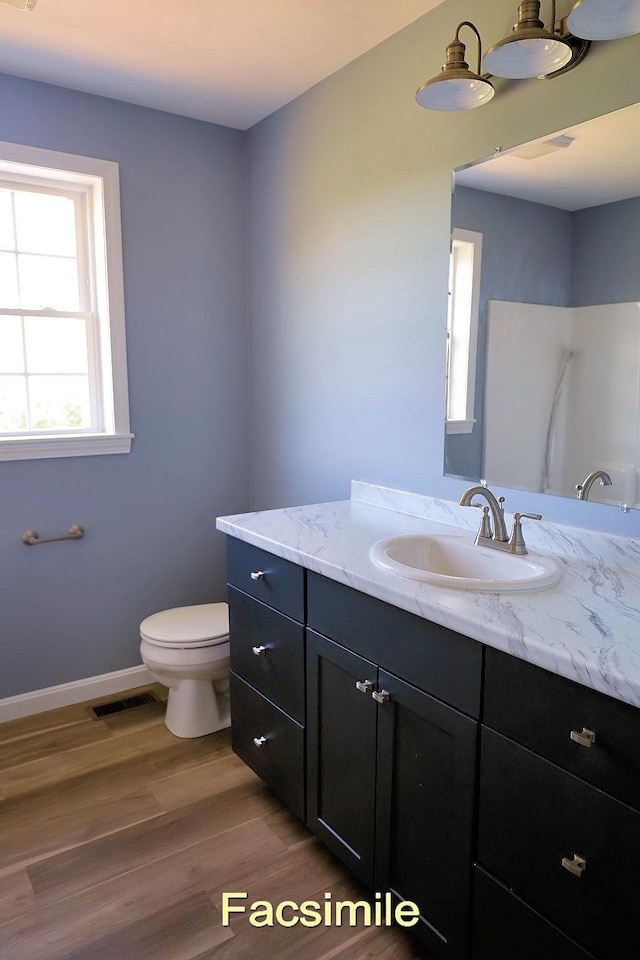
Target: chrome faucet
point(582, 489)
point(497, 536)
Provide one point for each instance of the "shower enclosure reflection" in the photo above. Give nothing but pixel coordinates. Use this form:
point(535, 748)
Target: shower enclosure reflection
point(557, 370)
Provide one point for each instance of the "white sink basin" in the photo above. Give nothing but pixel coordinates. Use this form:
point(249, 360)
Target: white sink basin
point(451, 561)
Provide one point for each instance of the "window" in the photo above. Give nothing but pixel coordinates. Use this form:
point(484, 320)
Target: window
point(63, 384)
point(462, 329)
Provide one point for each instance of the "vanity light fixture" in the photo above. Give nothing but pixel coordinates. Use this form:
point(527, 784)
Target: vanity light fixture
point(605, 19)
point(456, 87)
point(531, 50)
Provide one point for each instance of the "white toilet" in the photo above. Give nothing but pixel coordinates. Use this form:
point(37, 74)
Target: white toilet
point(187, 650)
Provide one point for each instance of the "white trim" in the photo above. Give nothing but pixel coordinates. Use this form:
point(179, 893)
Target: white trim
point(83, 445)
point(102, 189)
point(63, 163)
point(460, 426)
point(50, 698)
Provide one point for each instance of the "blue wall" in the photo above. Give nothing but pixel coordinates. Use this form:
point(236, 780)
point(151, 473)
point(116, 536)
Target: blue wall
point(349, 193)
point(72, 610)
point(349, 210)
point(605, 254)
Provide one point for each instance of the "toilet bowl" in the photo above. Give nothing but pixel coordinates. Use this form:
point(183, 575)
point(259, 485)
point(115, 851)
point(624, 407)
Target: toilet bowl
point(187, 650)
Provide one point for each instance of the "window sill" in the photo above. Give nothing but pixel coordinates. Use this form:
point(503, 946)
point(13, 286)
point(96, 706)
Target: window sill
point(460, 426)
point(42, 448)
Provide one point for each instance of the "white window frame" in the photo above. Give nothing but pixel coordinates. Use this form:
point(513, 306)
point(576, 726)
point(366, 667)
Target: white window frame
point(100, 239)
point(463, 368)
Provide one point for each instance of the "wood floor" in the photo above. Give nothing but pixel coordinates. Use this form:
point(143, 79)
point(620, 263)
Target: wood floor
point(117, 840)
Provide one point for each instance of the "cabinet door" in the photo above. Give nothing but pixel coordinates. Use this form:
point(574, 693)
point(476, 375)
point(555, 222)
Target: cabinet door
point(425, 799)
point(341, 753)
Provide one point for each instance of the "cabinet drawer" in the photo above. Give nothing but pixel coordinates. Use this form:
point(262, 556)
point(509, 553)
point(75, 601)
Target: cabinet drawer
point(279, 761)
point(533, 815)
point(433, 658)
point(540, 710)
point(501, 921)
point(266, 577)
point(267, 650)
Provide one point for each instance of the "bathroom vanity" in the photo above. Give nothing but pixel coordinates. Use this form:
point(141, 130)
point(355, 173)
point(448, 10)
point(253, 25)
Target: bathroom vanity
point(475, 753)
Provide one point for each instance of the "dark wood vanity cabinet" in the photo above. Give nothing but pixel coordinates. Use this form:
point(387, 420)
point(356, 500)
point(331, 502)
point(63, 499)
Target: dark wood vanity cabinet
point(558, 821)
point(390, 768)
point(501, 798)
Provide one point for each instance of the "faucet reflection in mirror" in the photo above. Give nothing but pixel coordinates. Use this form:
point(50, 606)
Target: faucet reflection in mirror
point(554, 394)
point(530, 51)
point(582, 489)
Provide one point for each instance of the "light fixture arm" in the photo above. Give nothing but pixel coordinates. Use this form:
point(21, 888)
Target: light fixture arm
point(467, 23)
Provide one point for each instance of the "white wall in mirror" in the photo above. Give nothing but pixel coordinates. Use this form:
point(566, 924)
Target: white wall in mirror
point(574, 416)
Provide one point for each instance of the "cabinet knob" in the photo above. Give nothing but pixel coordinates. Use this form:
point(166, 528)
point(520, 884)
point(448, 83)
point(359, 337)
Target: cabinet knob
point(380, 696)
point(576, 865)
point(260, 651)
point(585, 738)
point(259, 741)
point(364, 685)
point(257, 575)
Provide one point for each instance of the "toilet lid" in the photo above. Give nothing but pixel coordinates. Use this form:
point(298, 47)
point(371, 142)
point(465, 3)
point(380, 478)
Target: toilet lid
point(185, 626)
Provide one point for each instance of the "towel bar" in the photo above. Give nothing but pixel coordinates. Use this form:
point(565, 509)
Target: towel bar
point(31, 539)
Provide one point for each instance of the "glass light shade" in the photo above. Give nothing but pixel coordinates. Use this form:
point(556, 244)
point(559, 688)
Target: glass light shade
point(604, 19)
point(520, 58)
point(459, 90)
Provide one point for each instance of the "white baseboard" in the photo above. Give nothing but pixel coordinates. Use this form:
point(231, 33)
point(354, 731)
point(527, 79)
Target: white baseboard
point(36, 701)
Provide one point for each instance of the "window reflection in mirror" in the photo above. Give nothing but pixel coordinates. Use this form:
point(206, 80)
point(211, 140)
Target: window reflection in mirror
point(462, 329)
point(557, 371)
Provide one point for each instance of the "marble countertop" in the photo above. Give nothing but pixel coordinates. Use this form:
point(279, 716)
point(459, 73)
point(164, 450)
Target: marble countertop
point(586, 628)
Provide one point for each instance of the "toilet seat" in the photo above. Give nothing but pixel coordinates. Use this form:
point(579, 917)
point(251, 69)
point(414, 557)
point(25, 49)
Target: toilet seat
point(200, 625)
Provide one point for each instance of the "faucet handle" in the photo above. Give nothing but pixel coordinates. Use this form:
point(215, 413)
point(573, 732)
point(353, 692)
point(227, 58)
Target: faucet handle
point(516, 540)
point(485, 531)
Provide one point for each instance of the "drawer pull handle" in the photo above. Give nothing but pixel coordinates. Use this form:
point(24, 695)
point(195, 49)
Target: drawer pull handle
point(364, 686)
point(381, 697)
point(260, 651)
point(576, 866)
point(257, 575)
point(259, 741)
point(585, 738)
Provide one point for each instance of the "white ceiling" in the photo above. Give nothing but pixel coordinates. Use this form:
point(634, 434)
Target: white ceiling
point(228, 61)
point(601, 165)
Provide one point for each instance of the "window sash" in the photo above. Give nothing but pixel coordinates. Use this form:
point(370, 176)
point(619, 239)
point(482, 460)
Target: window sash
point(98, 180)
point(462, 330)
point(79, 194)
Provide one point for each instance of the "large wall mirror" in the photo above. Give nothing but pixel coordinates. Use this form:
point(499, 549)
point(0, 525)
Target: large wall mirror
point(543, 358)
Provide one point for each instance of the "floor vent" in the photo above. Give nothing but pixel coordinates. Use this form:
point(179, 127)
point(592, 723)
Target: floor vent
point(127, 703)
